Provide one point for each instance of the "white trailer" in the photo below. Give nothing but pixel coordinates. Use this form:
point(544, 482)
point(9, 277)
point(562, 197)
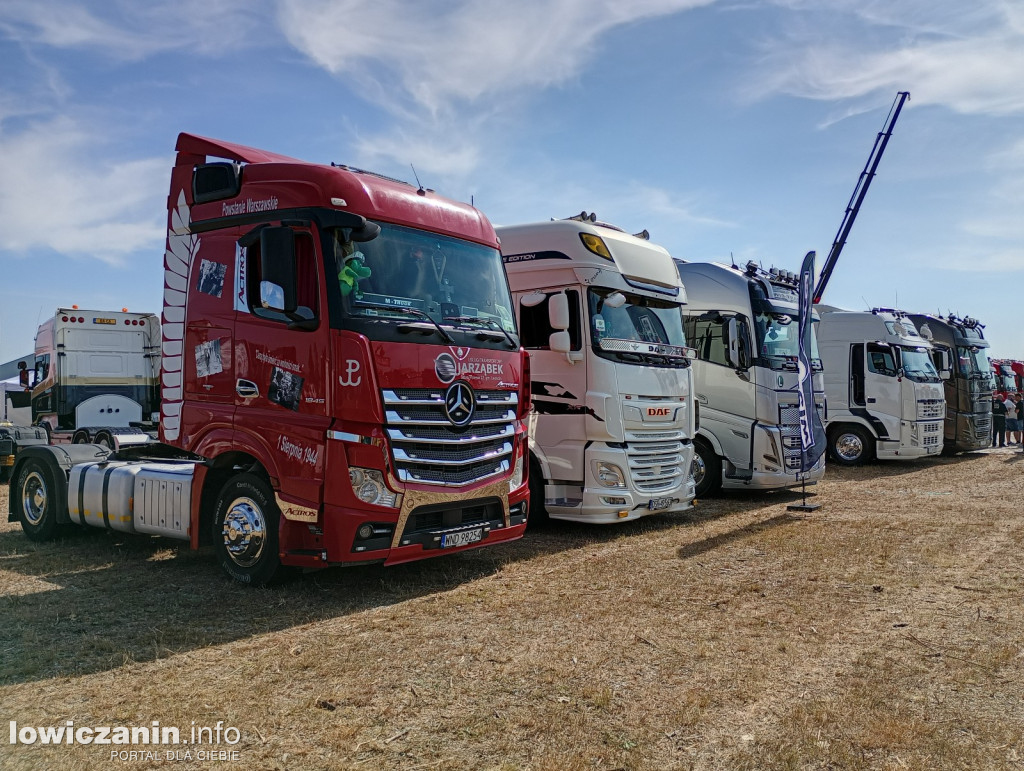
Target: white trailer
point(611, 431)
point(96, 374)
point(744, 324)
point(885, 396)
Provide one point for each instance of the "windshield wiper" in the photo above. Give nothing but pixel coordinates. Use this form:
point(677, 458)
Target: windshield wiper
point(489, 323)
point(414, 312)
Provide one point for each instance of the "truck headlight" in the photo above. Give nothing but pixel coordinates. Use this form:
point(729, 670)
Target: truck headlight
point(609, 475)
point(368, 486)
point(516, 480)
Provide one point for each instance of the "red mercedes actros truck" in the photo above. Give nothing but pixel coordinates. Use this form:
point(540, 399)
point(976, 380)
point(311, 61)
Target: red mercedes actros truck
point(342, 382)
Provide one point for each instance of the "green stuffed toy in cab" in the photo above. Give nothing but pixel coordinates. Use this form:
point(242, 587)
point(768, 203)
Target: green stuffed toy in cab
point(350, 275)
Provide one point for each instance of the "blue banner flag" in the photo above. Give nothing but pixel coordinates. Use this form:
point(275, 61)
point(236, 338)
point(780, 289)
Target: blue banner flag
point(812, 432)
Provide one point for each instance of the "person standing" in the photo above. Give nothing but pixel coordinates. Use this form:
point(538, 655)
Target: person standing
point(1011, 418)
point(998, 421)
point(1018, 414)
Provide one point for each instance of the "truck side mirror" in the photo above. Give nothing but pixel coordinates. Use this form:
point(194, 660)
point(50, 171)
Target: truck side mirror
point(558, 311)
point(947, 361)
point(278, 269)
point(735, 354)
point(559, 342)
point(23, 380)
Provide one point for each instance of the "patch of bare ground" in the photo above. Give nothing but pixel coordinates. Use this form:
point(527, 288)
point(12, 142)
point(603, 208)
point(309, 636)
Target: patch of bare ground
point(882, 631)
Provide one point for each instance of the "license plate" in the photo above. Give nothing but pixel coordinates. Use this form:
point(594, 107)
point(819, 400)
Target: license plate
point(450, 540)
point(657, 504)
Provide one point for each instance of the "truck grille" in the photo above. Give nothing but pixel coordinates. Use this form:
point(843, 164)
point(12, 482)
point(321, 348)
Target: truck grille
point(789, 428)
point(928, 409)
point(428, 449)
point(931, 434)
point(656, 466)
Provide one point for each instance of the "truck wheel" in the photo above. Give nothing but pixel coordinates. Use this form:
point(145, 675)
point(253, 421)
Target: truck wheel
point(38, 493)
point(104, 439)
point(80, 437)
point(850, 446)
point(706, 470)
point(245, 531)
point(538, 512)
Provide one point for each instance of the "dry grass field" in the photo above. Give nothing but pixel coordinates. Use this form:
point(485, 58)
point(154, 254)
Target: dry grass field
point(882, 631)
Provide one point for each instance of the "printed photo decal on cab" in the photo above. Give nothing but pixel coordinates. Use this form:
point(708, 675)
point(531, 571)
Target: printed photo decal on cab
point(285, 388)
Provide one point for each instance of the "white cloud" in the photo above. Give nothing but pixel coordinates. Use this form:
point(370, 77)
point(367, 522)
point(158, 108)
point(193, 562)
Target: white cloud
point(966, 58)
point(433, 55)
point(123, 29)
point(54, 194)
point(432, 65)
point(1001, 262)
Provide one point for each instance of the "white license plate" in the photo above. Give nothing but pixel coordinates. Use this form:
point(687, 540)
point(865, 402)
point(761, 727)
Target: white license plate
point(450, 540)
point(657, 504)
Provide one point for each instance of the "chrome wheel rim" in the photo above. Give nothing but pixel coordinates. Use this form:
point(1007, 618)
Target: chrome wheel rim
point(849, 446)
point(698, 469)
point(34, 497)
point(245, 532)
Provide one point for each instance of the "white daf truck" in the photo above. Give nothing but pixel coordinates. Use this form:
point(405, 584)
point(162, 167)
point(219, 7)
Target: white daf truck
point(611, 430)
point(885, 396)
point(743, 323)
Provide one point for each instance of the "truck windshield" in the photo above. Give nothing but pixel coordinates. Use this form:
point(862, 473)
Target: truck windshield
point(917, 365)
point(638, 329)
point(778, 335)
point(454, 282)
point(973, 361)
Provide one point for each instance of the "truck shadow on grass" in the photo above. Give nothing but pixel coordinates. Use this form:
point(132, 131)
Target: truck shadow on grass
point(94, 601)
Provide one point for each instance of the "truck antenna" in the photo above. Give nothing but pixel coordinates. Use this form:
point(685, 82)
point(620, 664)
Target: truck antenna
point(733, 260)
point(421, 190)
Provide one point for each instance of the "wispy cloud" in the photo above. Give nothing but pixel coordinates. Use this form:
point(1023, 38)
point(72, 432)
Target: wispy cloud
point(53, 195)
point(123, 29)
point(433, 64)
point(434, 54)
point(965, 58)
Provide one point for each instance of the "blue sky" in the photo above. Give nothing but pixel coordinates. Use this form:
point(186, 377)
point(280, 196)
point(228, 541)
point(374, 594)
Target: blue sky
point(724, 128)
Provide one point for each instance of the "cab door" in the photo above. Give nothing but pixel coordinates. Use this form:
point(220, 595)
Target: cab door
point(882, 392)
point(281, 365)
point(559, 387)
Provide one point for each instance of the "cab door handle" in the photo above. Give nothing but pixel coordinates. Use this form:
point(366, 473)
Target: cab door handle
point(246, 389)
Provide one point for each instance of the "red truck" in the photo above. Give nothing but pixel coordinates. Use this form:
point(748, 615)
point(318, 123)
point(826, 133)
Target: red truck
point(1007, 376)
point(338, 386)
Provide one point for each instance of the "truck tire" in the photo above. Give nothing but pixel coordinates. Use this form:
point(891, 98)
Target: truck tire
point(37, 490)
point(245, 531)
point(80, 437)
point(850, 446)
point(538, 516)
point(104, 439)
point(706, 470)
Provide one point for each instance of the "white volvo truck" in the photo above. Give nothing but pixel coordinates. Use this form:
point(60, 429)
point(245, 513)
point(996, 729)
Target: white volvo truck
point(743, 323)
point(885, 396)
point(611, 431)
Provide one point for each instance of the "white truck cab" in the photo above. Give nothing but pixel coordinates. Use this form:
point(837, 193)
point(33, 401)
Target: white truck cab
point(744, 325)
point(611, 431)
point(885, 396)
